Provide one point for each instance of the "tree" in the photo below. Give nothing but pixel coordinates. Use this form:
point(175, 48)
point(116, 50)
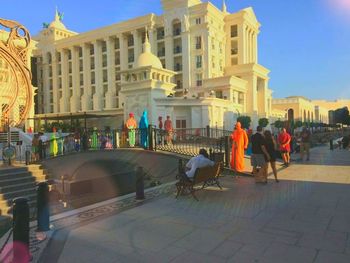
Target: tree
point(341, 115)
point(279, 124)
point(245, 121)
point(298, 124)
point(263, 122)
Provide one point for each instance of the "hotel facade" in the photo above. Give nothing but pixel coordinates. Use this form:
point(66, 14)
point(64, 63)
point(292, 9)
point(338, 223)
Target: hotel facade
point(195, 62)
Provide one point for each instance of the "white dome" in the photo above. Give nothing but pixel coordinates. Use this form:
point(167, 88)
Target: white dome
point(147, 58)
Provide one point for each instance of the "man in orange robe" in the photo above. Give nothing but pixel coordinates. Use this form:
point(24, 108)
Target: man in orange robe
point(239, 144)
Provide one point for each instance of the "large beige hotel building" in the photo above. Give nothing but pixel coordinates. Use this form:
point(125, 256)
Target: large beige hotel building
point(211, 56)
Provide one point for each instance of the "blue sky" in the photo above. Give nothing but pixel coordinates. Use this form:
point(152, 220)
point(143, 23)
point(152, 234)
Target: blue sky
point(305, 43)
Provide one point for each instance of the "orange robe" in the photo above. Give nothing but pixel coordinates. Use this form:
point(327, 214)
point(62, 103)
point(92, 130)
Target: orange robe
point(239, 143)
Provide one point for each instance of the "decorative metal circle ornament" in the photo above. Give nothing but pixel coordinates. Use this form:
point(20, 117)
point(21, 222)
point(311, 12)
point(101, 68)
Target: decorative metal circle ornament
point(9, 152)
point(15, 76)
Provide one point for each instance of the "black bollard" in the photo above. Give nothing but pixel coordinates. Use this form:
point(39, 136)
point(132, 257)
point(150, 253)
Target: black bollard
point(43, 213)
point(20, 230)
point(27, 154)
point(227, 151)
point(331, 145)
point(140, 187)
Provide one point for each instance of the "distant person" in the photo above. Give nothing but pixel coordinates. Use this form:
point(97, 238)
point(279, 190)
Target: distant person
point(239, 144)
point(35, 148)
point(131, 125)
point(42, 145)
point(305, 140)
point(271, 149)
point(160, 127)
point(284, 140)
point(345, 141)
point(143, 126)
point(260, 157)
point(199, 161)
point(168, 126)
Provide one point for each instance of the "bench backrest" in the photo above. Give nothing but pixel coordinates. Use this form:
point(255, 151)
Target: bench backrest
point(205, 173)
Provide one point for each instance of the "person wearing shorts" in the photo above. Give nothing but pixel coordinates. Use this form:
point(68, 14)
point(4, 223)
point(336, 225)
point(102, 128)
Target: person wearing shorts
point(284, 142)
point(260, 157)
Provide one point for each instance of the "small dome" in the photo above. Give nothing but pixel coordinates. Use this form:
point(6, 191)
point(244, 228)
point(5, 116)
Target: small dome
point(147, 58)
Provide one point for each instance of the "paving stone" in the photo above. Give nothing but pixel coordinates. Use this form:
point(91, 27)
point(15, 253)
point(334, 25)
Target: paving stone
point(327, 257)
point(227, 249)
point(330, 241)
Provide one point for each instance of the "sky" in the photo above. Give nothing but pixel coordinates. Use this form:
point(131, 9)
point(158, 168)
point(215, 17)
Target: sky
point(305, 43)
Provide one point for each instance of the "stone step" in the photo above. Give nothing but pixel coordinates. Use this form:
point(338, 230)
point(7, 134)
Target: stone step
point(13, 170)
point(18, 187)
point(5, 176)
point(18, 193)
point(7, 210)
point(19, 180)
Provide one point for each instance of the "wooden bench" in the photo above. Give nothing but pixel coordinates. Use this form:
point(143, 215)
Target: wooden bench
point(207, 176)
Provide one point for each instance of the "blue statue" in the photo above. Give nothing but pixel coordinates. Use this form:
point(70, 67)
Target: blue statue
point(143, 125)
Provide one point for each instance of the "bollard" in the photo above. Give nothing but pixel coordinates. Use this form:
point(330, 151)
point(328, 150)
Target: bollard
point(21, 230)
point(140, 187)
point(227, 151)
point(150, 137)
point(27, 154)
point(43, 213)
point(331, 145)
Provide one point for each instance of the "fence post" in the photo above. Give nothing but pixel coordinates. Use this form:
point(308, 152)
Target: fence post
point(227, 151)
point(208, 131)
point(140, 187)
point(150, 138)
point(43, 214)
point(21, 230)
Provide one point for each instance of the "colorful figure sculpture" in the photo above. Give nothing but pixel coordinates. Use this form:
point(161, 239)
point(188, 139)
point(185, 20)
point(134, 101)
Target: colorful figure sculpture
point(94, 139)
point(168, 126)
point(143, 125)
point(131, 125)
point(53, 143)
point(60, 142)
point(239, 144)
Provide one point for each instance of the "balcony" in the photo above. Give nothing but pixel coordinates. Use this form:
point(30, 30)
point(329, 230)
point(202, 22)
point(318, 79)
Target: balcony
point(160, 35)
point(161, 53)
point(199, 83)
point(199, 64)
point(234, 51)
point(131, 59)
point(177, 50)
point(178, 67)
point(177, 32)
point(198, 46)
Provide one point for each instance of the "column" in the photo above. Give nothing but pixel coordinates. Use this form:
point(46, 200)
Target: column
point(152, 40)
point(206, 63)
point(75, 99)
point(46, 84)
point(97, 97)
point(241, 45)
point(65, 92)
point(86, 98)
point(137, 44)
point(186, 60)
point(110, 95)
point(123, 52)
point(256, 48)
point(169, 52)
point(55, 82)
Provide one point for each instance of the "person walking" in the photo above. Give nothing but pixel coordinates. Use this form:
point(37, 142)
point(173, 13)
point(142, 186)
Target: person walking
point(260, 157)
point(271, 149)
point(284, 142)
point(239, 144)
point(168, 126)
point(305, 139)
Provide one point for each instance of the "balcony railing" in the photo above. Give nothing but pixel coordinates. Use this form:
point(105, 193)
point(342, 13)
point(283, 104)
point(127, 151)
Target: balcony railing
point(234, 33)
point(198, 46)
point(199, 64)
point(131, 59)
point(177, 50)
point(199, 83)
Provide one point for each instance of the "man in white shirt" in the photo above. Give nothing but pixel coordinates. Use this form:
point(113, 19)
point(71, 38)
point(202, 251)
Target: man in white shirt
point(199, 161)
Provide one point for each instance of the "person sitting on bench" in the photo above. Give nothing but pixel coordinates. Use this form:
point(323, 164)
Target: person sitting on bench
point(199, 161)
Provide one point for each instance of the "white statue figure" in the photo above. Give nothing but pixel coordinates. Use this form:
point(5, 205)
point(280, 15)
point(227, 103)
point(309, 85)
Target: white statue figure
point(186, 23)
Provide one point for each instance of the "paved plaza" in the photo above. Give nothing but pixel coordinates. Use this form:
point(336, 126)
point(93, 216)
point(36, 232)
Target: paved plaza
point(304, 218)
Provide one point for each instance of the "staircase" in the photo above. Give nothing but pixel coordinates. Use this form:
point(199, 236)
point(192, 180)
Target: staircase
point(19, 182)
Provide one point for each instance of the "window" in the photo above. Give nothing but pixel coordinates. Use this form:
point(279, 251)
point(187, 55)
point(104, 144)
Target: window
point(218, 94)
point(130, 40)
point(198, 42)
point(80, 52)
point(234, 31)
point(105, 76)
point(92, 77)
point(70, 67)
point(160, 33)
point(80, 65)
point(198, 61)
point(92, 50)
point(81, 79)
point(92, 65)
point(104, 46)
point(104, 60)
point(198, 21)
point(70, 81)
point(116, 43)
point(199, 80)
